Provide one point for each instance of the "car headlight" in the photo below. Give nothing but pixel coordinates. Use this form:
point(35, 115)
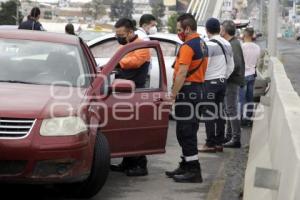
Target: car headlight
point(62, 126)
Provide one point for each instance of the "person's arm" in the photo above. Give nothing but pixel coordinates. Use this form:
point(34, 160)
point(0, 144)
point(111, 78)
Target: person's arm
point(180, 78)
point(185, 60)
point(230, 64)
point(135, 59)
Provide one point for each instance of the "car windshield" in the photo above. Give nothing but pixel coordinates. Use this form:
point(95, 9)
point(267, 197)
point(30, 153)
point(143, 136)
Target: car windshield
point(35, 62)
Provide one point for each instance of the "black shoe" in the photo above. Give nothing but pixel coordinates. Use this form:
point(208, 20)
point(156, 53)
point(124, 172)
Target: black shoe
point(117, 168)
point(178, 171)
point(233, 144)
point(227, 138)
point(137, 171)
point(192, 174)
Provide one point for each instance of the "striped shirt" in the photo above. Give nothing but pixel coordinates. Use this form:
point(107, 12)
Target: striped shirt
point(217, 66)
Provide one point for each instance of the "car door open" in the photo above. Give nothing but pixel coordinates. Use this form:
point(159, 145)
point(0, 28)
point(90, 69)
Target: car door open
point(137, 117)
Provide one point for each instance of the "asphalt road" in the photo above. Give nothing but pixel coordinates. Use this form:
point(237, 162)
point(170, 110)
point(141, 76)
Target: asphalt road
point(289, 54)
point(222, 172)
point(290, 57)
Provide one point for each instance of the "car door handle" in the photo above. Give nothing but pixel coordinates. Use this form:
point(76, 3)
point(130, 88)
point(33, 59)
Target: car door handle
point(159, 100)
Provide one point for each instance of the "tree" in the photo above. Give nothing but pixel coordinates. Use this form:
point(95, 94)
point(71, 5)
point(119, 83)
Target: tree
point(172, 23)
point(121, 9)
point(158, 10)
point(99, 8)
point(8, 13)
point(87, 10)
point(95, 8)
point(128, 9)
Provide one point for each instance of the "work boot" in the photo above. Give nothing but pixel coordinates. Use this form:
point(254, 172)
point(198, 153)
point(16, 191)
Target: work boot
point(179, 170)
point(123, 166)
point(192, 173)
point(235, 142)
point(137, 171)
point(227, 138)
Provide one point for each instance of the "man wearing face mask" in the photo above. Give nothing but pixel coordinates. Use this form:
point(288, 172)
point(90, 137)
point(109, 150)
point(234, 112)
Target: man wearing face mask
point(134, 66)
point(188, 93)
point(147, 27)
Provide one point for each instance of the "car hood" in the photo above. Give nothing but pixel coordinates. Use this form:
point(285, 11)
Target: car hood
point(38, 101)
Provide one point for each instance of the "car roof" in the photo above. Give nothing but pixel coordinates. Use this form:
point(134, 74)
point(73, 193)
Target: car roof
point(164, 36)
point(42, 36)
point(8, 27)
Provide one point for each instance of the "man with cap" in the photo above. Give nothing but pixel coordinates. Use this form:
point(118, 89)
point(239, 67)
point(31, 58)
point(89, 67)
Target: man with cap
point(220, 66)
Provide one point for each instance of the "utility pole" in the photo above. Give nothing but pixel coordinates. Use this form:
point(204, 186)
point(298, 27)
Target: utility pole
point(272, 27)
point(17, 14)
point(261, 15)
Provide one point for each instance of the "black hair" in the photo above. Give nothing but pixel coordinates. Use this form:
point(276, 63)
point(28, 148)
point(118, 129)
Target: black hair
point(229, 27)
point(186, 20)
point(125, 22)
point(69, 28)
point(249, 32)
point(213, 26)
point(35, 12)
point(146, 19)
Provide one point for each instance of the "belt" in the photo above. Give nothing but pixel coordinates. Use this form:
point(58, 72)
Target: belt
point(222, 80)
point(191, 83)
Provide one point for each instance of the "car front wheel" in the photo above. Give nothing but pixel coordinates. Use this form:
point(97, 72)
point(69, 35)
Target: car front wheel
point(99, 172)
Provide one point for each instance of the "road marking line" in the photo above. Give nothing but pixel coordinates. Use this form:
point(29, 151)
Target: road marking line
point(217, 186)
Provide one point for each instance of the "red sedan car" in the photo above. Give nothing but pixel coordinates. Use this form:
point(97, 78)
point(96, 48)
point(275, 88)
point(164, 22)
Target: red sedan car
point(62, 117)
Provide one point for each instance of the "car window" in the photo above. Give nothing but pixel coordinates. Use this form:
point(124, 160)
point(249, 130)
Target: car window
point(168, 48)
point(106, 49)
point(150, 77)
point(41, 63)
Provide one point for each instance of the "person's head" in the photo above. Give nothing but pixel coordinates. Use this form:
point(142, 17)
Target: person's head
point(124, 30)
point(186, 25)
point(35, 13)
point(248, 34)
point(148, 23)
point(213, 27)
point(69, 29)
point(228, 29)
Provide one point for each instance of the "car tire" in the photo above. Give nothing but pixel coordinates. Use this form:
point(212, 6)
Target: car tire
point(98, 175)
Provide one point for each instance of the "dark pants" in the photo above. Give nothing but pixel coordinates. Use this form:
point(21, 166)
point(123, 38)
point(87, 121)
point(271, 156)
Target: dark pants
point(214, 112)
point(246, 97)
point(139, 77)
point(187, 116)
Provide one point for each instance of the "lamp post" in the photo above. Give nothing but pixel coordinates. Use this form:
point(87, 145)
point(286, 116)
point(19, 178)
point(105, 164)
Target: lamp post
point(272, 27)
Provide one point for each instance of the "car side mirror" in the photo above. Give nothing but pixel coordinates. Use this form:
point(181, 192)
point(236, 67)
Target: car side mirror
point(121, 85)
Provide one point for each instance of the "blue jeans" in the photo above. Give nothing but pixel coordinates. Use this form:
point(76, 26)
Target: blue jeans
point(246, 97)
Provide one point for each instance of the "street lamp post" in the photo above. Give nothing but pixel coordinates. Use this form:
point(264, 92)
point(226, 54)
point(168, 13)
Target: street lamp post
point(272, 27)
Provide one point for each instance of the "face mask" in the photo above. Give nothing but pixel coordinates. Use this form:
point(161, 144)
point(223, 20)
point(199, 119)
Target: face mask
point(122, 40)
point(153, 30)
point(181, 36)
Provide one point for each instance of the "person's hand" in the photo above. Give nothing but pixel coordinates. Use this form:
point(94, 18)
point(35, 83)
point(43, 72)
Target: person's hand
point(172, 97)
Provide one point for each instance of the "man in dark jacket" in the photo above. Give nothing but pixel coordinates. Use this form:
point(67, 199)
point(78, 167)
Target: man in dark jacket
point(234, 82)
point(32, 22)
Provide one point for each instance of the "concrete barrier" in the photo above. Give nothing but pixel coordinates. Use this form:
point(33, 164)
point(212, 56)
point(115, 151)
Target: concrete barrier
point(273, 169)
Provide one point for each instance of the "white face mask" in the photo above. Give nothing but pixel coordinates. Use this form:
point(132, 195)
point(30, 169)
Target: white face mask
point(153, 30)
